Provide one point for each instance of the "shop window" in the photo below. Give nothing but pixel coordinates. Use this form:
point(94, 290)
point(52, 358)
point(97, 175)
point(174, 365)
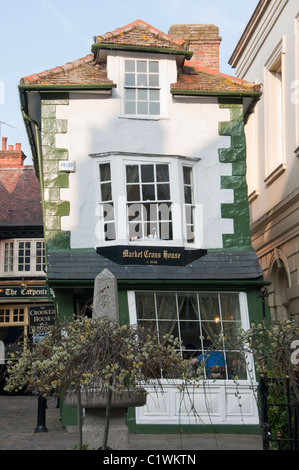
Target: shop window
point(198, 320)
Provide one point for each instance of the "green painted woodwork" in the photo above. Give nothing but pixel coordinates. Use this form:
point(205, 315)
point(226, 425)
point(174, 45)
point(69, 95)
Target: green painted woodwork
point(53, 181)
point(236, 155)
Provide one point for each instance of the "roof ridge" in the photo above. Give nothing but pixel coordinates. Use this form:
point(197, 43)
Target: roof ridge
point(140, 23)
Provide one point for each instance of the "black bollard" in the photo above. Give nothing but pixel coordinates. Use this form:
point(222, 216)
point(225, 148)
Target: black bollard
point(41, 415)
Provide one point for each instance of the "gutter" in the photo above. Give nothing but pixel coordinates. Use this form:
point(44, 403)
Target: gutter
point(54, 88)
point(255, 97)
point(160, 50)
point(35, 144)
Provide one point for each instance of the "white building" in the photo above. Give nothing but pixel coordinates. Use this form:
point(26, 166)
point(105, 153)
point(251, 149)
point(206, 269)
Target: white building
point(268, 53)
point(142, 165)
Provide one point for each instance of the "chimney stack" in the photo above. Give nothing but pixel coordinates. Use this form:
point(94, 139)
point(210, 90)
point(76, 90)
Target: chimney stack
point(11, 158)
point(203, 40)
point(4, 140)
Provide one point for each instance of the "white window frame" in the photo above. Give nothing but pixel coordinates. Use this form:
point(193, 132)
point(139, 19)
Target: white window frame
point(118, 174)
point(244, 320)
point(14, 266)
point(274, 73)
point(10, 315)
point(163, 85)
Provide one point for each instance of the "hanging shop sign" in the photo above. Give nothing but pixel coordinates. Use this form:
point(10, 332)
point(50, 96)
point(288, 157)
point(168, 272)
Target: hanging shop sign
point(29, 292)
point(41, 316)
point(156, 255)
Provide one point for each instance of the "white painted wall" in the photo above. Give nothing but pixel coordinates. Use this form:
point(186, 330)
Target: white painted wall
point(188, 127)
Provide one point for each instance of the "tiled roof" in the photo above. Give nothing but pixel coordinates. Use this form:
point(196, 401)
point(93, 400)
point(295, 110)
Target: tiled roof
point(140, 33)
point(20, 198)
point(79, 72)
point(213, 266)
point(200, 79)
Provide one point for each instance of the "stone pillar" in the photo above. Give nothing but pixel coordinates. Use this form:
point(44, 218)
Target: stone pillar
point(105, 296)
point(105, 306)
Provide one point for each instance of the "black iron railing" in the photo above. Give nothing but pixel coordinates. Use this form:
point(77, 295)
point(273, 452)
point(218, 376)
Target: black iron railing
point(275, 435)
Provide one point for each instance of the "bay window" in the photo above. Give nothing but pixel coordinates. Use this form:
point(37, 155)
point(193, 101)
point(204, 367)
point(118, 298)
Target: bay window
point(148, 199)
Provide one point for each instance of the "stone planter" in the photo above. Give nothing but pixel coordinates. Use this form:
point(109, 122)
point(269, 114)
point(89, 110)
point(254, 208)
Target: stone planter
point(94, 402)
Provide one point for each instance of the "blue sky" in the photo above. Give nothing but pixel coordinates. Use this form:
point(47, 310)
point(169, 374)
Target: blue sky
point(40, 34)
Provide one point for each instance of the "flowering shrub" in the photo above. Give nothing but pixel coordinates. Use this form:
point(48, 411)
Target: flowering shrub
point(92, 353)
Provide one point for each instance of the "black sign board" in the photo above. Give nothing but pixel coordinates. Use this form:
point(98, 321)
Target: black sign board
point(41, 316)
point(155, 255)
point(30, 292)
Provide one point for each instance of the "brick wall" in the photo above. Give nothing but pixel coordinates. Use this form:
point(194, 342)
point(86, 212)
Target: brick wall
point(11, 158)
point(203, 40)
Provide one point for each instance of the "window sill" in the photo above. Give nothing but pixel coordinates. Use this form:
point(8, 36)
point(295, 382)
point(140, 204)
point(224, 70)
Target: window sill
point(144, 118)
point(253, 196)
point(275, 174)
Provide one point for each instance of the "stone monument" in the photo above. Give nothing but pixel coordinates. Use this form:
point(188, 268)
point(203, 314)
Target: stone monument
point(105, 306)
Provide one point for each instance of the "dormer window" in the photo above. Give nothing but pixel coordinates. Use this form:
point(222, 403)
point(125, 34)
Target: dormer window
point(142, 87)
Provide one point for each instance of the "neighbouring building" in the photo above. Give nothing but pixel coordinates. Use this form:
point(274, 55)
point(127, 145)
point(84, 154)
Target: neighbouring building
point(139, 148)
point(268, 53)
point(23, 289)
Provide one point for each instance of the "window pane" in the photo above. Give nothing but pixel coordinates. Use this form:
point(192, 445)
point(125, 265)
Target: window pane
point(210, 332)
point(145, 306)
point(209, 307)
point(130, 65)
point(130, 79)
point(188, 195)
point(106, 192)
point(142, 95)
point(105, 173)
point(135, 212)
point(132, 173)
point(130, 94)
point(142, 107)
point(188, 309)
point(141, 80)
point(168, 328)
point(187, 172)
point(147, 173)
point(148, 192)
point(154, 108)
point(166, 306)
point(236, 365)
point(153, 66)
point(154, 95)
point(108, 212)
point(133, 192)
point(165, 229)
point(141, 66)
point(109, 230)
point(130, 107)
point(190, 336)
point(162, 173)
point(153, 80)
point(163, 192)
point(230, 307)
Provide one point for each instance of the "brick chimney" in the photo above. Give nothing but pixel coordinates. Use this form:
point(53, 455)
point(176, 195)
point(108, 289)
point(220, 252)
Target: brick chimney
point(203, 40)
point(11, 158)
